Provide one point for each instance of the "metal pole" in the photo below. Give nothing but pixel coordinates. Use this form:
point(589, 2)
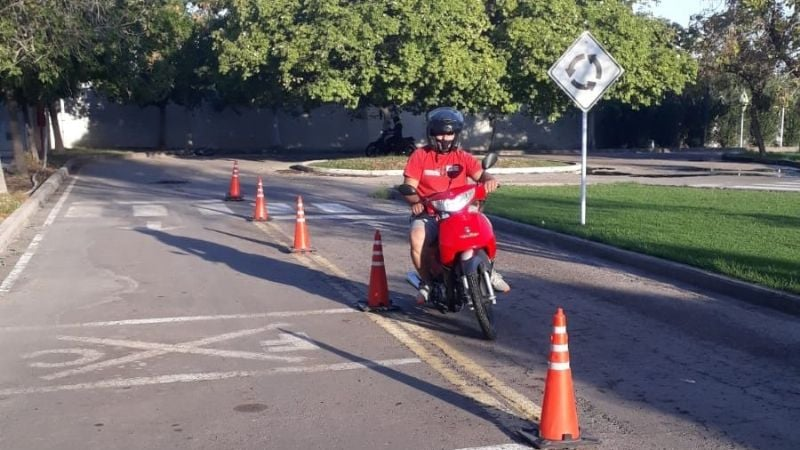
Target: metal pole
point(583, 169)
point(780, 140)
point(741, 131)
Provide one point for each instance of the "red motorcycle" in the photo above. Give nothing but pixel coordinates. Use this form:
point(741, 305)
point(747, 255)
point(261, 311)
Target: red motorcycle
point(467, 247)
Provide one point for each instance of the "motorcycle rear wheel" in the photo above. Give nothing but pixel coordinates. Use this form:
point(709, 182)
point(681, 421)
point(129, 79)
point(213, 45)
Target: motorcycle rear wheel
point(371, 150)
point(479, 294)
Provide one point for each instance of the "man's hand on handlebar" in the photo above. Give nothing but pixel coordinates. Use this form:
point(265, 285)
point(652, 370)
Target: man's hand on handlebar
point(417, 209)
point(491, 185)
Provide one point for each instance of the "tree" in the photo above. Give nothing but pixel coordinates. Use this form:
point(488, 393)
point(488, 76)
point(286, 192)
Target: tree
point(142, 65)
point(359, 53)
point(647, 48)
point(754, 41)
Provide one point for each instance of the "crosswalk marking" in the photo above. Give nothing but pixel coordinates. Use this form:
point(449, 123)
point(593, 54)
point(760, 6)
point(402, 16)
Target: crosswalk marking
point(334, 208)
point(149, 210)
point(213, 208)
point(219, 208)
point(280, 208)
point(784, 186)
point(84, 211)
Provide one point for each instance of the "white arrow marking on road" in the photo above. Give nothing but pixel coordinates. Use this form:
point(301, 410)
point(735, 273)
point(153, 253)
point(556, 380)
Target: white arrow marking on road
point(87, 355)
point(183, 319)
point(287, 342)
point(163, 349)
point(209, 376)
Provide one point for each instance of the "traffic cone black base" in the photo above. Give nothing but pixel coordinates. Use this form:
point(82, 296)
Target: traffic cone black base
point(363, 306)
point(531, 435)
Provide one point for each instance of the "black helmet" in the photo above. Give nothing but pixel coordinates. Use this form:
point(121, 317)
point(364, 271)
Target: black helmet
point(441, 121)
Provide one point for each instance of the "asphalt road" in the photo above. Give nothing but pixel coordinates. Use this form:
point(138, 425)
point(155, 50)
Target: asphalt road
point(140, 311)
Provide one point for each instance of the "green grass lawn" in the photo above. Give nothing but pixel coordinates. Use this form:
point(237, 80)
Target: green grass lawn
point(398, 162)
point(749, 235)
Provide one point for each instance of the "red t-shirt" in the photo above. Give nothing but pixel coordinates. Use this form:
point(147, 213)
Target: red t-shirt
point(439, 172)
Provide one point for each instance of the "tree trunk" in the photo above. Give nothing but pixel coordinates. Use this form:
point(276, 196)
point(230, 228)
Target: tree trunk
point(162, 126)
point(31, 134)
point(59, 141)
point(755, 129)
point(19, 163)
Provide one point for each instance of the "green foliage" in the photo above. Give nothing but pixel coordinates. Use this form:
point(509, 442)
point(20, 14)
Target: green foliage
point(536, 32)
point(140, 64)
point(755, 42)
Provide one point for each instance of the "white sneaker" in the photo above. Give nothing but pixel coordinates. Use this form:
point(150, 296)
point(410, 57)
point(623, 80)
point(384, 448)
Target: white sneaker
point(498, 283)
point(424, 293)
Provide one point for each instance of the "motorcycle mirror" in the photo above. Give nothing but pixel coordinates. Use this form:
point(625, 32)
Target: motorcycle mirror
point(406, 189)
point(489, 160)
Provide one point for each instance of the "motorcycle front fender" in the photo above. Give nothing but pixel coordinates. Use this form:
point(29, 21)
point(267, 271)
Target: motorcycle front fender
point(471, 260)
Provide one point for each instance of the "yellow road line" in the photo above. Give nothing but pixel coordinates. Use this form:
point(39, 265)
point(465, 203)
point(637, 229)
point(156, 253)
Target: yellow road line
point(519, 404)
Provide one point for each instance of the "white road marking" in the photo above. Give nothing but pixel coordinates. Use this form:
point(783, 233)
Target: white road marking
point(159, 350)
point(141, 202)
point(21, 264)
point(84, 211)
point(208, 376)
point(500, 447)
point(179, 348)
point(289, 343)
point(182, 319)
point(23, 261)
point(779, 186)
point(215, 208)
point(87, 355)
point(281, 208)
point(153, 225)
point(334, 208)
point(149, 210)
point(340, 216)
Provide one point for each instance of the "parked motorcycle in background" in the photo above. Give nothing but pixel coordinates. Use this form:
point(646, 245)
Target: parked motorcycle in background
point(389, 144)
point(467, 247)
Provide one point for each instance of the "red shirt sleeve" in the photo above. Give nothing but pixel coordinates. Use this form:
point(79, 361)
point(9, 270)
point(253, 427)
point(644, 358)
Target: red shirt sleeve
point(414, 165)
point(471, 164)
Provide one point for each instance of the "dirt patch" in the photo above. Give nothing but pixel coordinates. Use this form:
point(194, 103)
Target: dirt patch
point(19, 184)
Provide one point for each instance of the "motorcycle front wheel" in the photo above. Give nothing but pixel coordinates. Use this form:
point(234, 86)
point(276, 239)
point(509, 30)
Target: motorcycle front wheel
point(479, 293)
point(371, 150)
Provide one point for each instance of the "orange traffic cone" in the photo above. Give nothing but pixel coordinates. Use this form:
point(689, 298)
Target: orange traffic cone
point(260, 211)
point(301, 238)
point(234, 194)
point(558, 427)
point(378, 294)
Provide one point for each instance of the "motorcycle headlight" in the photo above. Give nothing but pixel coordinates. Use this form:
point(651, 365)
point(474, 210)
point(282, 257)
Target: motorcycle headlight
point(456, 203)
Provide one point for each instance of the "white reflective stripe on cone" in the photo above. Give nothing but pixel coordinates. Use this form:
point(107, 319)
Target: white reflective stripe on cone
point(559, 348)
point(559, 330)
point(377, 264)
point(559, 366)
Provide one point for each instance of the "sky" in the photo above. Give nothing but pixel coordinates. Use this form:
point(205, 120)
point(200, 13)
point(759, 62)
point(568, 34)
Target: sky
point(680, 11)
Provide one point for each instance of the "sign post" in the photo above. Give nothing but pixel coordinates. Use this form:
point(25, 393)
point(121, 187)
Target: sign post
point(584, 72)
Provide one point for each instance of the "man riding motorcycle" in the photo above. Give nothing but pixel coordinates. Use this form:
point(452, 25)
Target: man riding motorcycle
point(437, 167)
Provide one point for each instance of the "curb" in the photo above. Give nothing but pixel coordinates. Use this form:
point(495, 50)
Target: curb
point(746, 292)
point(12, 225)
point(306, 167)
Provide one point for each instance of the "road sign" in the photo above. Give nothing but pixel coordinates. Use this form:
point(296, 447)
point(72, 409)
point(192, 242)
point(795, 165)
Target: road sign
point(585, 71)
